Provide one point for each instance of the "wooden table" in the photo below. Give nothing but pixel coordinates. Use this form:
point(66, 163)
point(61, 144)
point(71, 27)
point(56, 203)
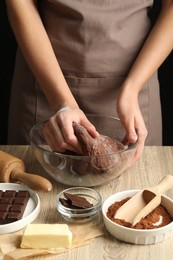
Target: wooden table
point(149, 170)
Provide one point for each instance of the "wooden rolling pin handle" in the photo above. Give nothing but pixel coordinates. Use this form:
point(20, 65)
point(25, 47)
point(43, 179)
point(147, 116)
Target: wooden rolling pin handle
point(33, 181)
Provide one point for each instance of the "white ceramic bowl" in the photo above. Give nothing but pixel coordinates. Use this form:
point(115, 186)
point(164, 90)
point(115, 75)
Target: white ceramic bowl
point(75, 170)
point(30, 214)
point(137, 236)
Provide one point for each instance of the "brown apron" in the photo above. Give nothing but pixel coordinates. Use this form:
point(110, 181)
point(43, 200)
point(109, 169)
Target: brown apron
point(96, 42)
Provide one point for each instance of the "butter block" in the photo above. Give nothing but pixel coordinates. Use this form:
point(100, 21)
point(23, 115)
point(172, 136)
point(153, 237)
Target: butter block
point(46, 236)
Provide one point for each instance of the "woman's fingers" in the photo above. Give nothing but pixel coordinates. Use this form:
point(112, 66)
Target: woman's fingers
point(55, 139)
point(141, 133)
point(59, 133)
point(138, 152)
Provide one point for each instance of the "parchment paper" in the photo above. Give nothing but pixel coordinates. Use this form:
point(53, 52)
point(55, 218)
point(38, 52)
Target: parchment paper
point(82, 235)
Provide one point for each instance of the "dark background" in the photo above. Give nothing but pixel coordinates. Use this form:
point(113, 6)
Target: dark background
point(7, 56)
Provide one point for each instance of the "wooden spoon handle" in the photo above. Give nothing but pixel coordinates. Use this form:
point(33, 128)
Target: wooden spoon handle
point(33, 181)
point(165, 184)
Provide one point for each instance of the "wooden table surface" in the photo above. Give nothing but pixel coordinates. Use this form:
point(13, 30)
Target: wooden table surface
point(149, 170)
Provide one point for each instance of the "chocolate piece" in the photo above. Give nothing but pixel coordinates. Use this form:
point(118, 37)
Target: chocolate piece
point(13, 216)
point(21, 200)
point(23, 193)
point(67, 204)
point(3, 216)
point(17, 207)
point(5, 207)
point(7, 200)
point(78, 201)
point(12, 205)
point(9, 193)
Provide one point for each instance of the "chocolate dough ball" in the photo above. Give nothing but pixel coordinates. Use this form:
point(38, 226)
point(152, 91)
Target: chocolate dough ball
point(102, 148)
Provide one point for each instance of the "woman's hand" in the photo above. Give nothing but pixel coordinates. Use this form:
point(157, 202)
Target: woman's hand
point(58, 130)
point(156, 48)
point(132, 120)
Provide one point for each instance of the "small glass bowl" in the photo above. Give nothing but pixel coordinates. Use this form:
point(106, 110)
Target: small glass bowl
point(80, 215)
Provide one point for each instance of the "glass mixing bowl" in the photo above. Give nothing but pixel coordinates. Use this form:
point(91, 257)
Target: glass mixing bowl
point(75, 170)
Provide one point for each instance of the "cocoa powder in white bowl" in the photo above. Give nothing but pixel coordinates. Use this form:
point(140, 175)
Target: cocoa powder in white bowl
point(133, 235)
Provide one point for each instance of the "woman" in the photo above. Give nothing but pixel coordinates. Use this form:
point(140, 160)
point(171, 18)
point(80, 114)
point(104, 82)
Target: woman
point(87, 56)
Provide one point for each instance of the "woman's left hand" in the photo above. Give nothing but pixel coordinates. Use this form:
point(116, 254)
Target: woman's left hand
point(131, 118)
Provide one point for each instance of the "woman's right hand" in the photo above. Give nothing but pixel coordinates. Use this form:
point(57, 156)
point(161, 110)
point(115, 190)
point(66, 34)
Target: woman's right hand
point(59, 133)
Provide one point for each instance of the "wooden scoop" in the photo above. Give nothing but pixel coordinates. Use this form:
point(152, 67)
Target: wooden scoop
point(12, 169)
point(140, 205)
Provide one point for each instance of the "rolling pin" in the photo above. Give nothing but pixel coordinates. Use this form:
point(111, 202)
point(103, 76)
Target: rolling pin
point(12, 169)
